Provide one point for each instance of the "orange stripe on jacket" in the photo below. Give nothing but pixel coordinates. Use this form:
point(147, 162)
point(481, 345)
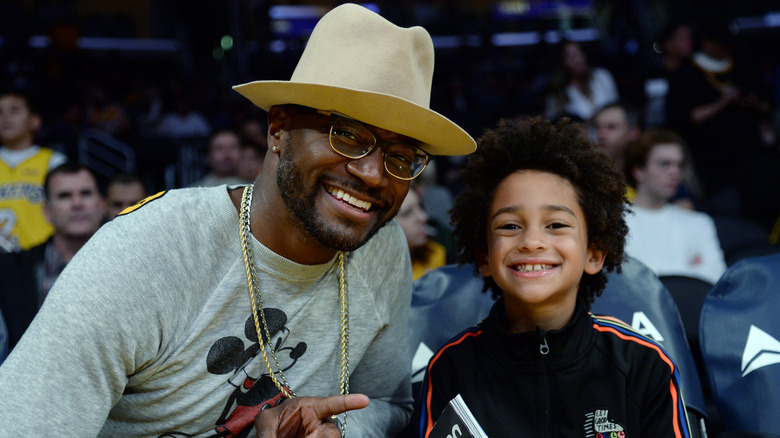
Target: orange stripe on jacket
point(435, 357)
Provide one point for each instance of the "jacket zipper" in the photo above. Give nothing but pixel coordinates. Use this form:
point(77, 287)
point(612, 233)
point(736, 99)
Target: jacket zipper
point(544, 350)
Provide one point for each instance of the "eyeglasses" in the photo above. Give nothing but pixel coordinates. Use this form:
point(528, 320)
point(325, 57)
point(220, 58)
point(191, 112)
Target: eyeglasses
point(352, 139)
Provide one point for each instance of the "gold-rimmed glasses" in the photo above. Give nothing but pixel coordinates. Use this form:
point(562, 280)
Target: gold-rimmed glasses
point(352, 139)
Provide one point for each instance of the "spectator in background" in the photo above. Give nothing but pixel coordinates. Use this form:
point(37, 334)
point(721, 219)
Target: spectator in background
point(617, 125)
point(145, 106)
point(183, 121)
point(64, 129)
point(251, 163)
point(426, 253)
point(224, 156)
point(106, 115)
point(669, 239)
point(717, 105)
point(253, 130)
point(576, 87)
point(254, 146)
point(675, 46)
point(436, 197)
point(23, 168)
point(76, 210)
point(124, 190)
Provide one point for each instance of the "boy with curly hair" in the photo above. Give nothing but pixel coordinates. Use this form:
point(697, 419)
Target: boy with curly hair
point(541, 219)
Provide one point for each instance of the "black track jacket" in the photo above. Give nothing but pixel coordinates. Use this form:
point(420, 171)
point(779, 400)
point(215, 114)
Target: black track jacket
point(594, 378)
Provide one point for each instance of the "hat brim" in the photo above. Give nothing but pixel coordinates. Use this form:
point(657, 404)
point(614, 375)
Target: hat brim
point(439, 135)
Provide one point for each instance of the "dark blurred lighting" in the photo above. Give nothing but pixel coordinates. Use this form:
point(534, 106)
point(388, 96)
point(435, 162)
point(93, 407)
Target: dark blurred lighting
point(511, 10)
point(769, 20)
point(226, 42)
point(104, 43)
point(516, 39)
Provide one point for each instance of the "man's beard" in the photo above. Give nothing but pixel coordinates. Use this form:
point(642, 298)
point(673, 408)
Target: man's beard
point(301, 203)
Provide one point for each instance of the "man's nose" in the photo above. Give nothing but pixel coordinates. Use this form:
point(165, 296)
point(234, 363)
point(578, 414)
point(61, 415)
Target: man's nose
point(370, 169)
point(78, 202)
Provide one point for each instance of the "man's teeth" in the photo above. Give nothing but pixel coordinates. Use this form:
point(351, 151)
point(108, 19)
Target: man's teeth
point(530, 268)
point(351, 200)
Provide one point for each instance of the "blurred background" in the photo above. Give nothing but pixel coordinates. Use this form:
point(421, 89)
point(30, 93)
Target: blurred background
point(106, 73)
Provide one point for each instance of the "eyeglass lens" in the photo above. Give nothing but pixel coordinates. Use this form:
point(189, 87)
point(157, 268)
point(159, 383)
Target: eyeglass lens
point(354, 140)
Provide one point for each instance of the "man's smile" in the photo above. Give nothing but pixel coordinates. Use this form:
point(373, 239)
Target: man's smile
point(349, 199)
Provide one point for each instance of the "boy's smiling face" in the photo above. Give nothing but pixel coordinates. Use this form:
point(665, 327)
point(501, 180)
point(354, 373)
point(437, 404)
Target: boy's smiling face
point(537, 249)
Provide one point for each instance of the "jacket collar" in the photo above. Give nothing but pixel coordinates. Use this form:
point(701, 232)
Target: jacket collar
point(525, 350)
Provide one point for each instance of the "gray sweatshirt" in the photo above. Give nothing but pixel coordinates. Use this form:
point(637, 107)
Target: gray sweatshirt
point(148, 331)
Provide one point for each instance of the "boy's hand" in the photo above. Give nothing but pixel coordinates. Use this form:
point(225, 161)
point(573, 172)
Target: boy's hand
point(306, 417)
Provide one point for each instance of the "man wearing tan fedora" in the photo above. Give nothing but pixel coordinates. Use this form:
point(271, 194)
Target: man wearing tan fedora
point(198, 309)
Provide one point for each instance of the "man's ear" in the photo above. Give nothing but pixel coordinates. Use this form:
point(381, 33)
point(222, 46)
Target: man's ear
point(277, 120)
point(595, 261)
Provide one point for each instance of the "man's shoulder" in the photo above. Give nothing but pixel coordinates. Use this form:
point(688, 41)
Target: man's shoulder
point(211, 180)
point(389, 238)
point(176, 201)
point(193, 211)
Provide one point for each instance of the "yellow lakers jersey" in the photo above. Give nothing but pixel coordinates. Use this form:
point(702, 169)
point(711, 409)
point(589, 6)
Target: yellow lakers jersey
point(22, 221)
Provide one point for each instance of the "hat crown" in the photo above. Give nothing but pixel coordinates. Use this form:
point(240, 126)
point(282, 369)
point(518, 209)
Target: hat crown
point(360, 65)
point(352, 47)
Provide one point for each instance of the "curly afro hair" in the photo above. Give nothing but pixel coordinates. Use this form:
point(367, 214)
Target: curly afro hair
point(562, 149)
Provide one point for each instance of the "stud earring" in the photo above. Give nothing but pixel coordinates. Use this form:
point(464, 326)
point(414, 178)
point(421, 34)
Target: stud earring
point(275, 148)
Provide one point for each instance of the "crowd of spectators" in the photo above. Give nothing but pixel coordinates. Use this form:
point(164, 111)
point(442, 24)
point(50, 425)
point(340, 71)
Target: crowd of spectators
point(165, 105)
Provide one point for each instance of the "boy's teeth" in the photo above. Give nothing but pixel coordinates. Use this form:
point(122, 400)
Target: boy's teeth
point(529, 268)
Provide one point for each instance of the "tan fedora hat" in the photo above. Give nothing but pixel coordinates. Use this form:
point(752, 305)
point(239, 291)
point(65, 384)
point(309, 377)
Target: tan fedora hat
point(360, 65)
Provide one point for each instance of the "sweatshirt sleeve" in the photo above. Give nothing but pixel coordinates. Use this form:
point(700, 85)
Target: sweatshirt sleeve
point(74, 360)
point(120, 307)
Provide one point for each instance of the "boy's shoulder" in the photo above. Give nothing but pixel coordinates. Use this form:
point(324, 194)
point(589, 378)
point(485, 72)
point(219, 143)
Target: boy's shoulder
point(623, 344)
point(461, 349)
point(32, 155)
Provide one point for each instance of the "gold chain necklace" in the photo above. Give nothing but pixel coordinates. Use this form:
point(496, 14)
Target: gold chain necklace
point(257, 309)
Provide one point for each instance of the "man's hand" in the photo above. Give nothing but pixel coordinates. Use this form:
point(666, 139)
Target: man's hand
point(306, 417)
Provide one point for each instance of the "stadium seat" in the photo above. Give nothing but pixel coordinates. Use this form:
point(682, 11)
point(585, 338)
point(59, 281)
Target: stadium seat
point(740, 345)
